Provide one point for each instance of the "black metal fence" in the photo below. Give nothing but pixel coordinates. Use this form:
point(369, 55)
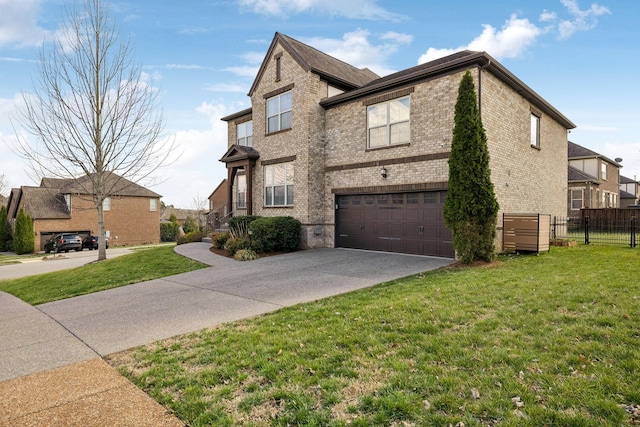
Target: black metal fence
point(602, 231)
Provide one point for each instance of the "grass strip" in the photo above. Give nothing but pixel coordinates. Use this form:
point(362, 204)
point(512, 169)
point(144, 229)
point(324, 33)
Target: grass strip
point(148, 264)
point(528, 341)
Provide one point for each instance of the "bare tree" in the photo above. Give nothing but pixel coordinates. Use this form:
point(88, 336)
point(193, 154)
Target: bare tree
point(4, 184)
point(94, 114)
point(200, 204)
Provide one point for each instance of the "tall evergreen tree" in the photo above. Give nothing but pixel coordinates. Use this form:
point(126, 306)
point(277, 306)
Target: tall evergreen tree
point(23, 238)
point(5, 229)
point(471, 208)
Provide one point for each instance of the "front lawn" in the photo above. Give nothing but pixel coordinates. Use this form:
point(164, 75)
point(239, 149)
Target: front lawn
point(142, 265)
point(529, 341)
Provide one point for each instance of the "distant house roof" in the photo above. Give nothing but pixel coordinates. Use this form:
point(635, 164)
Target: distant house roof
point(625, 180)
point(221, 185)
point(576, 151)
point(575, 175)
point(116, 186)
point(48, 200)
point(44, 203)
point(625, 195)
point(181, 214)
point(331, 69)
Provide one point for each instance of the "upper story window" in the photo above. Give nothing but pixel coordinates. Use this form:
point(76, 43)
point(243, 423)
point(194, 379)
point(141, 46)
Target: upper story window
point(535, 130)
point(603, 171)
point(153, 205)
point(279, 112)
point(67, 200)
point(388, 123)
point(278, 184)
point(106, 204)
point(244, 131)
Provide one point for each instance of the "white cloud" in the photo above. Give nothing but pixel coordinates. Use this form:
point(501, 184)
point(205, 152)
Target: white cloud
point(515, 37)
point(228, 87)
point(352, 9)
point(197, 171)
point(243, 71)
point(355, 48)
point(519, 34)
point(184, 67)
point(581, 20)
point(19, 24)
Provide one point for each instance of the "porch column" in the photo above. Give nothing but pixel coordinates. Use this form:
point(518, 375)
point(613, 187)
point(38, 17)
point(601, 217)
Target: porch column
point(249, 175)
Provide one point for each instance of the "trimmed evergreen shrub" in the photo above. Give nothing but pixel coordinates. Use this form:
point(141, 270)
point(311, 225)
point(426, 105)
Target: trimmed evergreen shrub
point(190, 225)
point(5, 230)
point(471, 208)
point(193, 236)
point(23, 238)
point(169, 231)
point(281, 233)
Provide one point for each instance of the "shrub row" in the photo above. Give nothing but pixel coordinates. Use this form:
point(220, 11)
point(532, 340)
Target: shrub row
point(193, 236)
point(280, 233)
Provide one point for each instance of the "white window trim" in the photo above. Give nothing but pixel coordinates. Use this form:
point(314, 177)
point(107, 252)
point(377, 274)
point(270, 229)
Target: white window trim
point(247, 139)
point(581, 190)
point(106, 204)
point(535, 130)
point(603, 171)
point(280, 112)
point(153, 205)
point(271, 202)
point(388, 123)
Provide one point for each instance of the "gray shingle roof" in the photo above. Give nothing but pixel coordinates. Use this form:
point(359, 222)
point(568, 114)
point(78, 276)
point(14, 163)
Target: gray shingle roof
point(575, 175)
point(333, 70)
point(44, 203)
point(115, 184)
point(576, 151)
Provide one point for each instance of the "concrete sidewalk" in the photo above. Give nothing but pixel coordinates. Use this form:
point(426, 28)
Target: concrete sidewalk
point(81, 329)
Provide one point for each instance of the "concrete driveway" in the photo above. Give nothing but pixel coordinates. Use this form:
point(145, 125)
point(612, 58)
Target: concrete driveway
point(78, 329)
point(54, 262)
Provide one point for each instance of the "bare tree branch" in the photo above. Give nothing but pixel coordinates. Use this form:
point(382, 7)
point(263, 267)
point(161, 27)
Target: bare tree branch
point(94, 112)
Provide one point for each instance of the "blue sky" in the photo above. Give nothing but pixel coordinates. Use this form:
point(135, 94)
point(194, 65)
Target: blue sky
point(202, 55)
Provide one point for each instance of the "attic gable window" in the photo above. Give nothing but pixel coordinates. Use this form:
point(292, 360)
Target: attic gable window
point(278, 58)
point(388, 123)
point(279, 112)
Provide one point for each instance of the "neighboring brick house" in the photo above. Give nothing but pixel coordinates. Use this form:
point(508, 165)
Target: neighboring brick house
point(218, 210)
point(594, 180)
point(362, 161)
point(131, 214)
point(182, 215)
point(629, 192)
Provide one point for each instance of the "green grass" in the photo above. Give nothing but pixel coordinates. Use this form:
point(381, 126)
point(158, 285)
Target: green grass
point(530, 341)
point(142, 265)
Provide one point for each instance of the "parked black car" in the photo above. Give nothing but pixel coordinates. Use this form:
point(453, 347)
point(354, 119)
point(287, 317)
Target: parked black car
point(63, 242)
point(91, 242)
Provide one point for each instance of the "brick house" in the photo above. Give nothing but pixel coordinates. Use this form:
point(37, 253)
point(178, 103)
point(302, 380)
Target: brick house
point(218, 209)
point(362, 160)
point(131, 214)
point(629, 192)
point(594, 180)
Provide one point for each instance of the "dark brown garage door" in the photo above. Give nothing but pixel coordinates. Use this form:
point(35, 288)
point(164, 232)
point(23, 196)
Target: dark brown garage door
point(403, 222)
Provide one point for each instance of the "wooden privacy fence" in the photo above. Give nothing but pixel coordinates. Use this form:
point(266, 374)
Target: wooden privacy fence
point(526, 232)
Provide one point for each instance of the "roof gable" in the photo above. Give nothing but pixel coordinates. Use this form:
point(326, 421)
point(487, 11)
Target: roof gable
point(576, 151)
point(455, 62)
point(310, 59)
point(240, 152)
